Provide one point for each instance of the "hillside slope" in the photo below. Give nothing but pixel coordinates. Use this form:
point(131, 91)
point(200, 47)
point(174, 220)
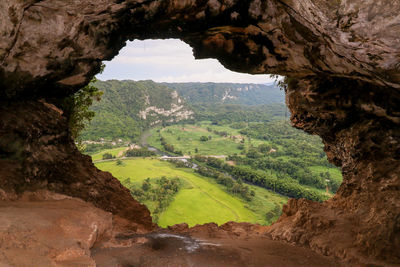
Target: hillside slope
point(129, 107)
point(229, 93)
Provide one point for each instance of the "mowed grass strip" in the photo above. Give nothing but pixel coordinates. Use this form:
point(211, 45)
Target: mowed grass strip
point(201, 200)
point(112, 151)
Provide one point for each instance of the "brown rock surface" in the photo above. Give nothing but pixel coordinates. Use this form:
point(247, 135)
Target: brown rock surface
point(47, 229)
point(50, 47)
point(341, 57)
point(362, 135)
point(37, 153)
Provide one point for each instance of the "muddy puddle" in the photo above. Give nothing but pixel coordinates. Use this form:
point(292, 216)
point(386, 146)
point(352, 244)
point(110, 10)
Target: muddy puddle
point(167, 241)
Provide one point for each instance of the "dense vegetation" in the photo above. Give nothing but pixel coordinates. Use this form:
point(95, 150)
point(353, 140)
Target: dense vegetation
point(245, 158)
point(272, 154)
point(118, 114)
point(159, 190)
point(229, 113)
point(139, 152)
point(228, 93)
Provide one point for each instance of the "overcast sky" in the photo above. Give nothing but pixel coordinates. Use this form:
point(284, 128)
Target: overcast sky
point(170, 61)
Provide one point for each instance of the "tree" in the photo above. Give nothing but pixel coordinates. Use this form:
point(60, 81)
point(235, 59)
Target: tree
point(107, 156)
point(203, 138)
point(146, 185)
point(76, 108)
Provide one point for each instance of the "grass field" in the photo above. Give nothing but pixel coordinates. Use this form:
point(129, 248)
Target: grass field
point(112, 151)
point(334, 172)
point(201, 200)
point(186, 138)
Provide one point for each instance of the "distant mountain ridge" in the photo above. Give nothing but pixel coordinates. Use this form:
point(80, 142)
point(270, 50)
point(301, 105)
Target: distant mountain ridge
point(229, 93)
point(129, 107)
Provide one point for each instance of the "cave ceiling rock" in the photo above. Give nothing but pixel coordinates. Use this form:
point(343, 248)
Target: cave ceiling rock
point(51, 48)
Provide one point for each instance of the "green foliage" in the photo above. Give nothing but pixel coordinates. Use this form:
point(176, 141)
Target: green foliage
point(118, 114)
point(234, 186)
point(159, 190)
point(77, 108)
point(239, 115)
point(204, 138)
point(284, 185)
point(259, 141)
point(228, 93)
point(274, 147)
point(139, 152)
point(107, 156)
point(93, 148)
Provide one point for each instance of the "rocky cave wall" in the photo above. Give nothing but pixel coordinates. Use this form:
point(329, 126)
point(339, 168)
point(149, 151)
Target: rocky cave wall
point(341, 58)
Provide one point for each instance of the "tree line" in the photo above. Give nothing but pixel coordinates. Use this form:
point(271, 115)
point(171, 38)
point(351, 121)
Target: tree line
point(282, 185)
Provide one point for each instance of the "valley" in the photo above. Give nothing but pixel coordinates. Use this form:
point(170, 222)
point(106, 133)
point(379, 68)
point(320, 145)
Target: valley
point(236, 162)
point(200, 200)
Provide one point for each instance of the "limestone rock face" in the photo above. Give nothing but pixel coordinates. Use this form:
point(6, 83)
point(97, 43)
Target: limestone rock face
point(343, 66)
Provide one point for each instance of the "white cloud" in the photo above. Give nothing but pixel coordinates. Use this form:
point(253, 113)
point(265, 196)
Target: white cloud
point(170, 60)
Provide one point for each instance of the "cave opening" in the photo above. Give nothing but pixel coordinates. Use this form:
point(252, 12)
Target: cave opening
point(184, 134)
point(342, 64)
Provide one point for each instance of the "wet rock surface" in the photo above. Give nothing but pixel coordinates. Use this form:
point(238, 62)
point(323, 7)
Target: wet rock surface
point(342, 61)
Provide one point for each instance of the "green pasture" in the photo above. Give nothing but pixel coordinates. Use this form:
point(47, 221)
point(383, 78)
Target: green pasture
point(112, 151)
point(334, 172)
point(186, 138)
point(201, 200)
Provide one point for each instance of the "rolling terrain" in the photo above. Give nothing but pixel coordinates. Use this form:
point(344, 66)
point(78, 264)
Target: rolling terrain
point(201, 200)
point(259, 159)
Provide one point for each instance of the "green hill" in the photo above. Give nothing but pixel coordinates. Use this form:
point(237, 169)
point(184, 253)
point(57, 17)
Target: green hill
point(229, 93)
point(129, 107)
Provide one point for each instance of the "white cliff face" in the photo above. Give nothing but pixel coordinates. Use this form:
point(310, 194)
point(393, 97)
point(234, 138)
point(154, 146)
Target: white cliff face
point(177, 111)
point(228, 96)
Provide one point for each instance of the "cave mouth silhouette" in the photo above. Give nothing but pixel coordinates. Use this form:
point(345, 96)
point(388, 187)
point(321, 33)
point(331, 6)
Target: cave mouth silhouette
point(172, 61)
point(341, 61)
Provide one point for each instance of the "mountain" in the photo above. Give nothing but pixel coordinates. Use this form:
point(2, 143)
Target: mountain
point(229, 93)
point(128, 107)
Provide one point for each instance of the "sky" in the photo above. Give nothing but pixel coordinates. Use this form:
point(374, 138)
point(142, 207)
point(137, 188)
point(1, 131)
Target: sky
point(170, 60)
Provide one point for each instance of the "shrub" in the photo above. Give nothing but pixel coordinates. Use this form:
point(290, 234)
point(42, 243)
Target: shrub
point(203, 138)
point(107, 156)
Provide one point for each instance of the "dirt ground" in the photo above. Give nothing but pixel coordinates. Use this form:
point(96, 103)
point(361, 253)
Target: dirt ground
point(47, 229)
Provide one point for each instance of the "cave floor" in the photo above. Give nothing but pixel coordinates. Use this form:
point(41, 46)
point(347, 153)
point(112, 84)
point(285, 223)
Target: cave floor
point(182, 250)
point(46, 229)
